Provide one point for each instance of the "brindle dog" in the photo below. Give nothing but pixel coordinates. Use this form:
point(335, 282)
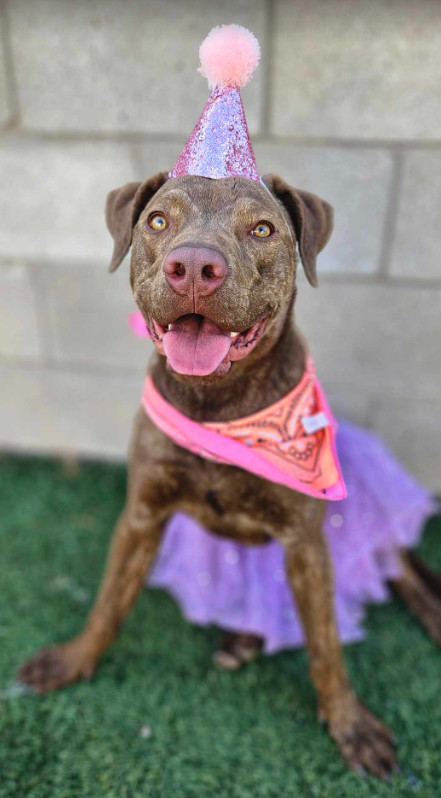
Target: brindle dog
point(204, 267)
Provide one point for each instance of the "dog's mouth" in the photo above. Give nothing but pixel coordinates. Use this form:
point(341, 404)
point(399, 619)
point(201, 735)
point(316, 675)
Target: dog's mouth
point(197, 346)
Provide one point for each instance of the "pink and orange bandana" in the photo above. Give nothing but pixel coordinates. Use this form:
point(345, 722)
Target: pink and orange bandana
point(291, 442)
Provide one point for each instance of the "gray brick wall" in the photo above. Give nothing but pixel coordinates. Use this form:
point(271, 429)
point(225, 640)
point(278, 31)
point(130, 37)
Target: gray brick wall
point(346, 103)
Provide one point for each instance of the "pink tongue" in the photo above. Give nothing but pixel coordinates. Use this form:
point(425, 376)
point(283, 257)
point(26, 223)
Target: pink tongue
point(195, 345)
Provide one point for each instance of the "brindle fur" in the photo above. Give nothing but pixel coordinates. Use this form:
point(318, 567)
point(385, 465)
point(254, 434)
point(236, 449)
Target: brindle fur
point(232, 503)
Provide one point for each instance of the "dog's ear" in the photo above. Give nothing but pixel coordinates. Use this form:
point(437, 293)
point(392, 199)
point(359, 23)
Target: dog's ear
point(311, 217)
point(123, 209)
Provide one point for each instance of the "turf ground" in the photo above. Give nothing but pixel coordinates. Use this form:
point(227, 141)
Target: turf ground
point(158, 721)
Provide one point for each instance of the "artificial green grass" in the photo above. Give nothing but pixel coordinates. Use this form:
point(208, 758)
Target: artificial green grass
point(158, 721)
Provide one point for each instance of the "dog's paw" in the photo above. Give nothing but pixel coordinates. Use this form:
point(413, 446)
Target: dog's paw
point(57, 667)
point(236, 650)
point(365, 743)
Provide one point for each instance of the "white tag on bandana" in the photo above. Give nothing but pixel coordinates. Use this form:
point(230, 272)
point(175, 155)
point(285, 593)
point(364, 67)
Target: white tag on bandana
point(314, 423)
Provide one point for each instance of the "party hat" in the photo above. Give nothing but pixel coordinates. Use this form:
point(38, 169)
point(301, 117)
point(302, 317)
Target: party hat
point(220, 144)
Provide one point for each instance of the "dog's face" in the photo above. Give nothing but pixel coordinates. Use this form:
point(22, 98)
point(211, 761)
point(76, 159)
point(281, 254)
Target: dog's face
point(214, 263)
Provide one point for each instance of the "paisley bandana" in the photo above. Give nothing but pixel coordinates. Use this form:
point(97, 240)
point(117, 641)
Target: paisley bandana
point(291, 442)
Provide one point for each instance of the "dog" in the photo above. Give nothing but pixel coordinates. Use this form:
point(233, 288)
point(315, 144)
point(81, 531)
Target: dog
point(220, 257)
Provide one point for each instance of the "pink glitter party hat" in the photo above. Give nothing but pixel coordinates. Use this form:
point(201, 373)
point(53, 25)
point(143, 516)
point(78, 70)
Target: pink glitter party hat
point(220, 144)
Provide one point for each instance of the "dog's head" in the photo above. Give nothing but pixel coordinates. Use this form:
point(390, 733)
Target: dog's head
point(214, 263)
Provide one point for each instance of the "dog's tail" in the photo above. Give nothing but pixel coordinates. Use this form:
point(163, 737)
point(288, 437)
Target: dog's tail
point(419, 587)
point(430, 577)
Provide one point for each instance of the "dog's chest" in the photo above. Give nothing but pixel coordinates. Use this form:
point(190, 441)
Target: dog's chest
point(227, 500)
point(233, 503)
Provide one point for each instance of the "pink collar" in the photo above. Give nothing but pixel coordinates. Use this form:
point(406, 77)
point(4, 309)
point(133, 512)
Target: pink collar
point(291, 442)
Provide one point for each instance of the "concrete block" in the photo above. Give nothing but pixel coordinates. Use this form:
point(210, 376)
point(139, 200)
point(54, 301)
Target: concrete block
point(350, 401)
point(88, 317)
point(355, 182)
point(61, 412)
point(5, 110)
point(413, 431)
point(19, 333)
point(59, 191)
point(379, 337)
point(417, 243)
point(118, 66)
point(351, 69)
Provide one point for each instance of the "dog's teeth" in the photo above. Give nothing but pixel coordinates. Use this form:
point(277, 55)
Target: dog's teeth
point(169, 328)
point(234, 333)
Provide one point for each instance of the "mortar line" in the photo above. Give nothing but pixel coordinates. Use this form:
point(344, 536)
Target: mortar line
point(349, 142)
point(267, 71)
point(78, 367)
point(43, 313)
point(351, 278)
point(391, 216)
point(124, 137)
point(374, 278)
point(11, 78)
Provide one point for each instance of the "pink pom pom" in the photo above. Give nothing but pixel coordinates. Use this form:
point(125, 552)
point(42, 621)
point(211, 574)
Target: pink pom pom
point(137, 323)
point(229, 55)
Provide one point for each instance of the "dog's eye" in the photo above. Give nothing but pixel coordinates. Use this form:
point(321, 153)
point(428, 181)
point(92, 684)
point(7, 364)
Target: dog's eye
point(262, 230)
point(157, 222)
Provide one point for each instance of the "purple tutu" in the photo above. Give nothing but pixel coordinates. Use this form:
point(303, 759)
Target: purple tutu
point(244, 588)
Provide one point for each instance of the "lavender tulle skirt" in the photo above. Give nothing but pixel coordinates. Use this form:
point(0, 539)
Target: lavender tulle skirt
point(244, 588)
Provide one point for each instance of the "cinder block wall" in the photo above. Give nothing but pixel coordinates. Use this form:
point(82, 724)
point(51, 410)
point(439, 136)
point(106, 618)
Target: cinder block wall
point(347, 103)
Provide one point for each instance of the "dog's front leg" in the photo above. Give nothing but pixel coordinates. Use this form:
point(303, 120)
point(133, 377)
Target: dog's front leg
point(364, 742)
point(134, 544)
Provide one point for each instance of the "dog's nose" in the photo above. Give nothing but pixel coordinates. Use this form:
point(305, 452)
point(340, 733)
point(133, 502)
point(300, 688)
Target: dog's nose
point(195, 271)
